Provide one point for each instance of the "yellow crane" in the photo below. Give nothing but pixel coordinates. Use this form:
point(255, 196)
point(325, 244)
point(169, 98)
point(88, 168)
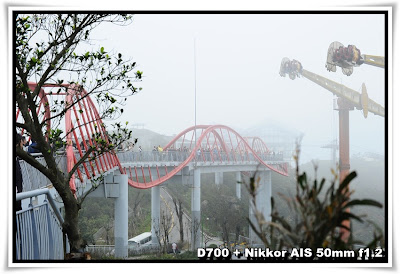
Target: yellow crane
point(358, 100)
point(348, 99)
point(349, 57)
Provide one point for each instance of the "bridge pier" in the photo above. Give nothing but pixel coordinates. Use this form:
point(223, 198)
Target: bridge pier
point(121, 217)
point(116, 186)
point(196, 210)
point(219, 178)
point(238, 185)
point(263, 203)
point(155, 214)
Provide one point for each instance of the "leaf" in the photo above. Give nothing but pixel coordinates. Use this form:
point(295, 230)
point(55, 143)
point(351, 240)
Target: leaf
point(347, 216)
point(367, 202)
point(321, 185)
point(347, 181)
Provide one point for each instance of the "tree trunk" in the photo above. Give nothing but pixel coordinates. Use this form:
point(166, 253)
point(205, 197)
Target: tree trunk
point(72, 207)
point(179, 213)
point(71, 228)
point(181, 228)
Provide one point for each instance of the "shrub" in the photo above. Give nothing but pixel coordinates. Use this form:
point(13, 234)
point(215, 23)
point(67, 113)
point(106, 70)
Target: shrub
point(319, 216)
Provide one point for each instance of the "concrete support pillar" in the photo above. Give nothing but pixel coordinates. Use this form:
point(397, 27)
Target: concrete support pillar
point(155, 213)
point(121, 217)
point(196, 210)
point(263, 203)
point(238, 185)
point(219, 178)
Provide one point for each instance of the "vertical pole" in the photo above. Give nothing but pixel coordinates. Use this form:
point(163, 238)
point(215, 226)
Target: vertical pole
point(195, 101)
point(50, 231)
point(202, 233)
point(219, 178)
point(196, 210)
point(238, 185)
point(344, 158)
point(155, 214)
point(263, 203)
point(35, 238)
point(121, 217)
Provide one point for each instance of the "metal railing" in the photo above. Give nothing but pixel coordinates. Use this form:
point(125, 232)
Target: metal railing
point(38, 228)
point(202, 156)
point(32, 178)
point(102, 251)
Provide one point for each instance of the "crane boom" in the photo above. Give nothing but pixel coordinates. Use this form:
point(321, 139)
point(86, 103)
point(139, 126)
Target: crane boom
point(377, 61)
point(358, 100)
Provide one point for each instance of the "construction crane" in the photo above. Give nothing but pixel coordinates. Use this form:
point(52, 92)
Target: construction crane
point(348, 99)
point(349, 57)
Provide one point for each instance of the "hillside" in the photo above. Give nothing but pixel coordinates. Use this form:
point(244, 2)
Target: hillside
point(148, 139)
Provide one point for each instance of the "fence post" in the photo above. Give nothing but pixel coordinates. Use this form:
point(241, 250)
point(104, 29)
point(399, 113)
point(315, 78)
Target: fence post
point(49, 227)
point(34, 232)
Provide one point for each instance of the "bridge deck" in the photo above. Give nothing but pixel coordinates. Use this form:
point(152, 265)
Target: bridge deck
point(33, 179)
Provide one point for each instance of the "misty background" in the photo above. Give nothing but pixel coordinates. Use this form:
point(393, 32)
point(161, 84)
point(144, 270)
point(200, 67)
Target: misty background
point(232, 62)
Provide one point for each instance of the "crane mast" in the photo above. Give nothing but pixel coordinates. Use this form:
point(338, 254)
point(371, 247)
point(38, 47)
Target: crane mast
point(360, 101)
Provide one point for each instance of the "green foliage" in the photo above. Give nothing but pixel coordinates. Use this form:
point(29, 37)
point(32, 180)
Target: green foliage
point(320, 214)
point(218, 204)
point(106, 75)
point(57, 50)
point(187, 255)
point(95, 214)
point(98, 213)
point(369, 184)
point(161, 256)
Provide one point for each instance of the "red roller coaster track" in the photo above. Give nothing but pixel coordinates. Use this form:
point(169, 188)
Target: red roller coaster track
point(82, 121)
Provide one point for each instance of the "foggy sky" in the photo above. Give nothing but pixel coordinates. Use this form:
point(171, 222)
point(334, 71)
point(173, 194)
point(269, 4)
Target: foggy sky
point(238, 59)
point(237, 79)
point(237, 64)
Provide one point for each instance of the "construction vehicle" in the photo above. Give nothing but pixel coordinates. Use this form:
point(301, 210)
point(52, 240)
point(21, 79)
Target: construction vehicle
point(349, 57)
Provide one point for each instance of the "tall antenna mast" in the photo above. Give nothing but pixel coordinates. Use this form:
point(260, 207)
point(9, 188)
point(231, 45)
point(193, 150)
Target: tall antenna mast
point(195, 103)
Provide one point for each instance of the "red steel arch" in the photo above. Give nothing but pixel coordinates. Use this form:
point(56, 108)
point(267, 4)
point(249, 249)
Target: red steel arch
point(259, 146)
point(82, 122)
point(217, 141)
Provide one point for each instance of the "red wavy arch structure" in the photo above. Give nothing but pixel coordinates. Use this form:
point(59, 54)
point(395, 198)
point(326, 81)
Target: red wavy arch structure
point(82, 122)
point(220, 142)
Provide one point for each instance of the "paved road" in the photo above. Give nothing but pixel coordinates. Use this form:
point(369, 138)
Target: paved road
point(167, 205)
